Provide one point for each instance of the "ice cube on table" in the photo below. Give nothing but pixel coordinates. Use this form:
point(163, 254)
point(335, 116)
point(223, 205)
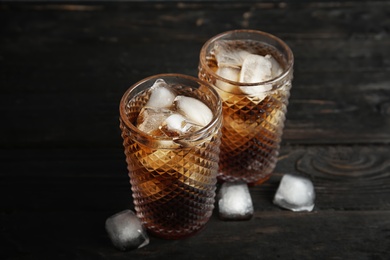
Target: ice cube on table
point(234, 201)
point(194, 110)
point(161, 95)
point(125, 231)
point(295, 193)
point(150, 119)
point(176, 125)
point(226, 56)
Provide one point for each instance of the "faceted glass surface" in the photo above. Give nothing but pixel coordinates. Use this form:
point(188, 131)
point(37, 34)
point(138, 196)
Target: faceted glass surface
point(173, 181)
point(253, 113)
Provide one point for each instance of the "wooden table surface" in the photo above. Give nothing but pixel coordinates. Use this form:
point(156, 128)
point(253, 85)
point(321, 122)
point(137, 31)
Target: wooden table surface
point(65, 65)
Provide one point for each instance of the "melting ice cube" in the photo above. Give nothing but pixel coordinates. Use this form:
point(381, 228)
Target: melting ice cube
point(150, 119)
point(244, 67)
point(276, 69)
point(258, 91)
point(228, 57)
point(126, 231)
point(295, 193)
point(194, 109)
point(255, 68)
point(232, 74)
point(228, 73)
point(176, 125)
point(235, 202)
point(224, 89)
point(161, 95)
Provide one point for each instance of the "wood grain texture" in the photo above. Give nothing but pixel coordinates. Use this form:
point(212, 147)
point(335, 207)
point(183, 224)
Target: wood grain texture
point(345, 177)
point(65, 65)
point(54, 60)
point(269, 235)
point(62, 198)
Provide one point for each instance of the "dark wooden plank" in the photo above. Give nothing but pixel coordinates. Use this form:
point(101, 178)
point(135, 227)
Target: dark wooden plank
point(269, 235)
point(345, 178)
point(64, 67)
point(66, 72)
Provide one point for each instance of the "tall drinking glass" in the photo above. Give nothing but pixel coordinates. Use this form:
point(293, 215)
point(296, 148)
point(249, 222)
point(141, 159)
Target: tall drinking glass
point(172, 153)
point(252, 72)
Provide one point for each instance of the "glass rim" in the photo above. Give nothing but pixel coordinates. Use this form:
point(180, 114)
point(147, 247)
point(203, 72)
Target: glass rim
point(193, 136)
point(286, 71)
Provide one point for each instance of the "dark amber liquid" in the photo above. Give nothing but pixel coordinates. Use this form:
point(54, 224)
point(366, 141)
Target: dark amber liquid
point(252, 125)
point(173, 188)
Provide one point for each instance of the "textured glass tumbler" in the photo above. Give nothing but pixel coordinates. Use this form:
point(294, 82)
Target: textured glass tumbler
point(253, 113)
point(173, 179)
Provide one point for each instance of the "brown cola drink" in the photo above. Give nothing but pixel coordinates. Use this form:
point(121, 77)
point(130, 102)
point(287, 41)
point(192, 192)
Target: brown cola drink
point(171, 134)
point(252, 73)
